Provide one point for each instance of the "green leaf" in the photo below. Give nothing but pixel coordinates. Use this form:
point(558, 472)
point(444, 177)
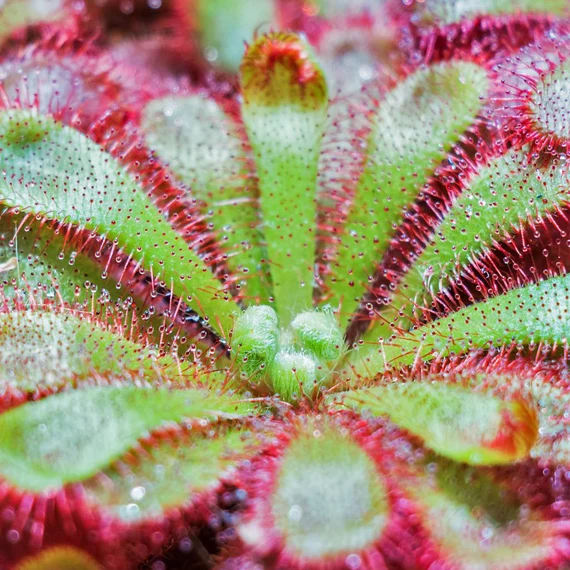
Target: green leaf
point(284, 111)
point(537, 313)
point(167, 476)
point(544, 386)
point(415, 126)
point(52, 170)
point(454, 421)
point(71, 436)
point(445, 12)
point(328, 499)
point(47, 268)
point(546, 108)
point(505, 195)
point(16, 14)
point(225, 25)
point(202, 147)
point(43, 347)
point(476, 523)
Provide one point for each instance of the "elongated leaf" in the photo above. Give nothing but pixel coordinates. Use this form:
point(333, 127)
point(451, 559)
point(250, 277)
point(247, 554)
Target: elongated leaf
point(414, 127)
point(503, 196)
point(53, 170)
point(544, 387)
point(284, 111)
point(73, 435)
point(537, 313)
point(46, 268)
point(167, 477)
point(476, 523)
point(475, 428)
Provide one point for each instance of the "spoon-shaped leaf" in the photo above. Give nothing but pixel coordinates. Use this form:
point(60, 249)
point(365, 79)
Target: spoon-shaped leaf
point(52, 170)
point(73, 435)
point(284, 111)
point(537, 313)
point(164, 478)
point(413, 128)
point(475, 428)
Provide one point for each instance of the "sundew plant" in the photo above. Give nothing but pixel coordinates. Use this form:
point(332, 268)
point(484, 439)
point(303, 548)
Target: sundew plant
point(284, 285)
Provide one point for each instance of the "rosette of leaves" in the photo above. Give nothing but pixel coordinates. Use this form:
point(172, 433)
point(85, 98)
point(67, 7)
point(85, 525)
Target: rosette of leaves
point(364, 355)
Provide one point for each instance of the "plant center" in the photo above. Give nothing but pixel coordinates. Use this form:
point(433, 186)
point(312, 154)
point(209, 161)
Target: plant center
point(295, 360)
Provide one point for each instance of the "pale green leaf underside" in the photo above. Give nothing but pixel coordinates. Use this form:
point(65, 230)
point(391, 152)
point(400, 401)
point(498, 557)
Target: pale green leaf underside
point(201, 146)
point(537, 313)
point(53, 170)
point(446, 12)
point(71, 436)
point(415, 125)
point(478, 524)
point(475, 428)
point(167, 477)
point(225, 25)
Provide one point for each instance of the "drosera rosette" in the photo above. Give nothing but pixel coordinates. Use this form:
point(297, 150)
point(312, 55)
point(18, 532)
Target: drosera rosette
point(420, 427)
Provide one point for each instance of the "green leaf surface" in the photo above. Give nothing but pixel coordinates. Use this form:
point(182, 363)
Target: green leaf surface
point(225, 25)
point(16, 14)
point(509, 193)
point(202, 147)
point(537, 313)
point(47, 268)
point(478, 524)
point(284, 111)
point(445, 12)
point(43, 347)
point(544, 387)
point(329, 499)
point(413, 128)
point(71, 436)
point(475, 428)
point(52, 170)
point(167, 476)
